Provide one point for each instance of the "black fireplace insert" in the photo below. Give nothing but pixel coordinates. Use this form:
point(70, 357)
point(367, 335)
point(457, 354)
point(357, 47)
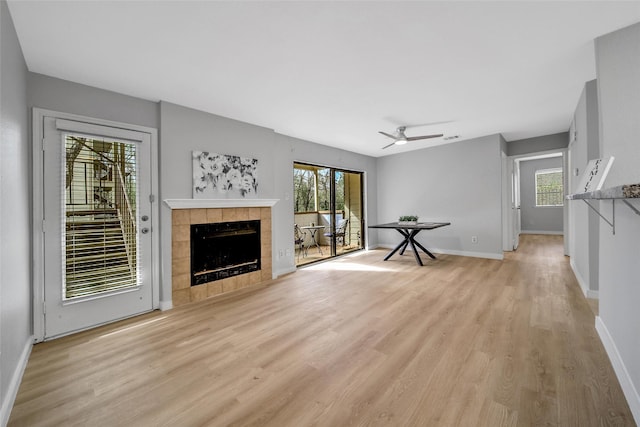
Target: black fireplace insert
point(222, 250)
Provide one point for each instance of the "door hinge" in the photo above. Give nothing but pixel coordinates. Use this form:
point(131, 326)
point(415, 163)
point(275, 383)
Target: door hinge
point(43, 144)
point(44, 226)
point(44, 307)
point(152, 198)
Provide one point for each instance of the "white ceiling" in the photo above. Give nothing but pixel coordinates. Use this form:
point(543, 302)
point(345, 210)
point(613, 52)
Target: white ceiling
point(335, 72)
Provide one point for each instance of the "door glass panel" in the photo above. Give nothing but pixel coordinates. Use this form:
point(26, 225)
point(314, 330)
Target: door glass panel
point(100, 248)
point(349, 234)
point(326, 201)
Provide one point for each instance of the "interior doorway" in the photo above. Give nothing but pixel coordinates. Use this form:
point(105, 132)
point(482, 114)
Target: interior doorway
point(328, 212)
point(533, 198)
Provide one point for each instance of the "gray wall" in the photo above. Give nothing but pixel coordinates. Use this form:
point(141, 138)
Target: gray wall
point(556, 141)
point(460, 183)
point(69, 97)
point(618, 72)
point(545, 220)
point(184, 130)
point(15, 215)
point(584, 223)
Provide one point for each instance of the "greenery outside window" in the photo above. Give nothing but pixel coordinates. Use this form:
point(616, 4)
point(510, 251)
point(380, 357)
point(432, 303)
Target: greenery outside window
point(304, 181)
point(312, 188)
point(549, 188)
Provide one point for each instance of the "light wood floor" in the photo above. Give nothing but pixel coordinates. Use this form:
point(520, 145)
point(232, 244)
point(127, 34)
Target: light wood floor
point(356, 341)
point(313, 254)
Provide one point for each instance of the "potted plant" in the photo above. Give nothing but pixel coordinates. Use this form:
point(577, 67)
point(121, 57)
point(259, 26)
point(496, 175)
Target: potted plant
point(408, 220)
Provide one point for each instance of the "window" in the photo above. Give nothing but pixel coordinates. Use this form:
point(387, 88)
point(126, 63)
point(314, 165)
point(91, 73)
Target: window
point(312, 188)
point(549, 188)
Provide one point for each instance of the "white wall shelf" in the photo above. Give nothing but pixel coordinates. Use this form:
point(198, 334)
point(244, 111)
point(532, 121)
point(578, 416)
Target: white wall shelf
point(621, 192)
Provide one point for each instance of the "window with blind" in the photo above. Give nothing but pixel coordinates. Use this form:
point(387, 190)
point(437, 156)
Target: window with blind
point(99, 230)
point(549, 187)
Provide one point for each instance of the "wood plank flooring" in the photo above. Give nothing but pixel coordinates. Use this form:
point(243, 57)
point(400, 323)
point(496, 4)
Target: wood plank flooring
point(351, 342)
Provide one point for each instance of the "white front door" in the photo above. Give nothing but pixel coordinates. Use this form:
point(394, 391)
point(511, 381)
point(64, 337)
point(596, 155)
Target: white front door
point(97, 225)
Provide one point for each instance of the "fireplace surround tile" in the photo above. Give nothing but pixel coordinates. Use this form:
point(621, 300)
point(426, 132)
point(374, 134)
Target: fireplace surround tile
point(180, 266)
point(181, 233)
point(198, 216)
point(181, 281)
point(181, 296)
point(180, 249)
point(230, 284)
point(214, 288)
point(214, 215)
point(182, 219)
point(198, 293)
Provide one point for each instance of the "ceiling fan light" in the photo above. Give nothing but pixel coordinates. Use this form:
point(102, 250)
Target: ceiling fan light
point(401, 141)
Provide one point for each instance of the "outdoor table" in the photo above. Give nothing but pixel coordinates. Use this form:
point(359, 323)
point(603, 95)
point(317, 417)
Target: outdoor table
point(313, 229)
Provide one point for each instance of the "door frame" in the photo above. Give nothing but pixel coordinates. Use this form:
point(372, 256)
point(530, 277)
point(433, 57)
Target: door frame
point(508, 202)
point(363, 199)
point(363, 239)
point(39, 226)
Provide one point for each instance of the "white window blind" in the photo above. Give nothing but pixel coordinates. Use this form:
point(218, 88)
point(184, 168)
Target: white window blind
point(99, 231)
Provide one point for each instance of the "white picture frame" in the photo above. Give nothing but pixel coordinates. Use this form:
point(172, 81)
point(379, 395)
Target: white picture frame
point(594, 175)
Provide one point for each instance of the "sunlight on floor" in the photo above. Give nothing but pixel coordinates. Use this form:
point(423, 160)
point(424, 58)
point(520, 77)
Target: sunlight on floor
point(340, 265)
point(137, 325)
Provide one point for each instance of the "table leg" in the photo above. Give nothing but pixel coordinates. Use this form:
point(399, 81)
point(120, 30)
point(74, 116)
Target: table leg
point(315, 242)
point(405, 234)
point(425, 250)
point(415, 252)
point(403, 243)
point(409, 239)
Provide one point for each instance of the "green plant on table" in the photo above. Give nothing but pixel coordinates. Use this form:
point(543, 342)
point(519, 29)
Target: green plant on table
point(408, 218)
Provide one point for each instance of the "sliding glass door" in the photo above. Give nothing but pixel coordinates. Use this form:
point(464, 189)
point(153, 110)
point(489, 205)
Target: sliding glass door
point(328, 212)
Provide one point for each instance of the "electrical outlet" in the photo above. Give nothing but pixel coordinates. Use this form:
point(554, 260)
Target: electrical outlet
point(288, 252)
point(474, 239)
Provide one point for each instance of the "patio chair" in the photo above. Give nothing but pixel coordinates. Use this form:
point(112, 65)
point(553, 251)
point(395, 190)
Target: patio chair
point(341, 228)
point(298, 239)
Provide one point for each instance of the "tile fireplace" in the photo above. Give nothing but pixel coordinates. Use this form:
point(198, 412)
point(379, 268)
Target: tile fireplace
point(232, 275)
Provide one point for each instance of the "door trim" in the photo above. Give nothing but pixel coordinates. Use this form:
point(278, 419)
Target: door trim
point(39, 226)
point(507, 225)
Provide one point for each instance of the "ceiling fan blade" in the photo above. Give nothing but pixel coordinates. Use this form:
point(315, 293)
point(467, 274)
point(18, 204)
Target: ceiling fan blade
point(415, 138)
point(388, 135)
point(387, 146)
point(421, 125)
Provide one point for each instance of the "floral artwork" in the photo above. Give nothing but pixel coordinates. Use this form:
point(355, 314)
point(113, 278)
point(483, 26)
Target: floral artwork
point(216, 174)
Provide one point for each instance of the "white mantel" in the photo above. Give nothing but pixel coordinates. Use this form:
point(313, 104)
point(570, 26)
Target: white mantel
point(219, 203)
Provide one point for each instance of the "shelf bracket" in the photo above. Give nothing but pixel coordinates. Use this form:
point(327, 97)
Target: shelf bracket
point(611, 223)
point(633, 208)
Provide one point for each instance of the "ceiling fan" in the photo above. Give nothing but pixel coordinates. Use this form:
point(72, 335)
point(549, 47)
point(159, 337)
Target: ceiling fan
point(400, 138)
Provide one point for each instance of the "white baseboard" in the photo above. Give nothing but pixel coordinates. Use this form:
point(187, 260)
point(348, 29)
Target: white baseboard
point(10, 397)
point(588, 293)
point(166, 305)
point(553, 233)
point(283, 271)
point(593, 294)
point(488, 255)
point(628, 388)
point(583, 283)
